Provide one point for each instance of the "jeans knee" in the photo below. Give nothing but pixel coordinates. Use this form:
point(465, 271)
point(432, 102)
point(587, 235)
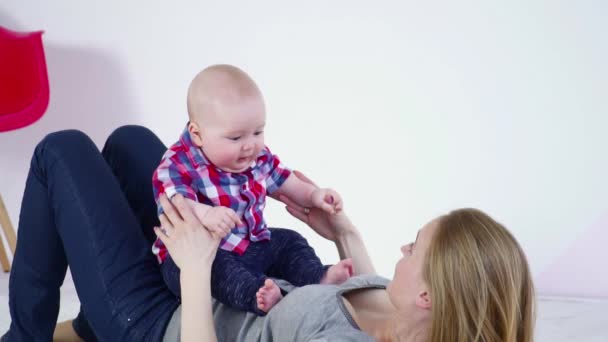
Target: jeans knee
point(60, 140)
point(127, 134)
point(59, 145)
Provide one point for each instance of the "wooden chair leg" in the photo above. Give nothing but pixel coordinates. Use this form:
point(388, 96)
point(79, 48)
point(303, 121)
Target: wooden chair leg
point(6, 266)
point(9, 233)
point(64, 332)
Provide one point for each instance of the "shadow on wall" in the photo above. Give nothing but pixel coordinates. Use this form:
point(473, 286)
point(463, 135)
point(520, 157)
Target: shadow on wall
point(88, 91)
point(581, 270)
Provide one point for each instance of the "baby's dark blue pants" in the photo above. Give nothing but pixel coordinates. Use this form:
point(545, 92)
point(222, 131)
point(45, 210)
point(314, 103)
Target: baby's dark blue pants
point(235, 279)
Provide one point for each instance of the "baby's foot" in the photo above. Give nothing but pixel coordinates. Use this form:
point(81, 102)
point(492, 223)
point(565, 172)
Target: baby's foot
point(338, 273)
point(268, 295)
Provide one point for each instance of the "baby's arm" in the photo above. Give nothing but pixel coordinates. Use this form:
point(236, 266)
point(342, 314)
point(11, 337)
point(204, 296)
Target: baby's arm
point(281, 181)
point(172, 178)
point(308, 195)
point(218, 220)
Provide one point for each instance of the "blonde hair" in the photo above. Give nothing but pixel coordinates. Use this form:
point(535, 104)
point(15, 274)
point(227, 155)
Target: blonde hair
point(479, 281)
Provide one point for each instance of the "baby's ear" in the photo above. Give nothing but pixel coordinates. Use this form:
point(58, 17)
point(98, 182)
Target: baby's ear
point(195, 134)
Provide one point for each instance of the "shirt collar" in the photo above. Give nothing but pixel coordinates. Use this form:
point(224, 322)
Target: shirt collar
point(194, 152)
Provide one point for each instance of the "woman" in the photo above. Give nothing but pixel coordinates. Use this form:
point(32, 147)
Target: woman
point(465, 278)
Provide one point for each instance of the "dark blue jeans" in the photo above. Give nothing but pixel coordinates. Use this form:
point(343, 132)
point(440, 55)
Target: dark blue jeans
point(235, 279)
point(90, 211)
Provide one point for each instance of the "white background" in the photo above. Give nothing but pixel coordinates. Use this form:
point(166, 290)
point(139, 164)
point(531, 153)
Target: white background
point(408, 108)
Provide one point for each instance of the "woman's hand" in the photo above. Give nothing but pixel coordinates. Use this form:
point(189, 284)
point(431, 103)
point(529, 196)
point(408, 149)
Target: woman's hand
point(329, 226)
point(193, 249)
point(190, 245)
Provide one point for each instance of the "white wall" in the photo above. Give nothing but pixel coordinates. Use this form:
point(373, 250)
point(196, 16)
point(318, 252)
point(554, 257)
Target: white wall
point(500, 106)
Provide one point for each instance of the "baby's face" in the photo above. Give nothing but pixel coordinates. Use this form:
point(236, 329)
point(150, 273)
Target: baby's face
point(233, 134)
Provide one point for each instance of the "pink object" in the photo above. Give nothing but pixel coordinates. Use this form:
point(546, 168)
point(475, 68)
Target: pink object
point(24, 84)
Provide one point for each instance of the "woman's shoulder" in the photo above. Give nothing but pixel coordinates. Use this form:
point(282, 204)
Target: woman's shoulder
point(323, 294)
point(364, 281)
point(301, 314)
point(374, 297)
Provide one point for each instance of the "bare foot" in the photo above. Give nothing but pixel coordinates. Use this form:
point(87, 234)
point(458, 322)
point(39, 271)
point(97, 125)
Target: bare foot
point(338, 273)
point(268, 295)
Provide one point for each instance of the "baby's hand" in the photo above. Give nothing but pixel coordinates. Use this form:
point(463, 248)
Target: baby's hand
point(328, 200)
point(220, 220)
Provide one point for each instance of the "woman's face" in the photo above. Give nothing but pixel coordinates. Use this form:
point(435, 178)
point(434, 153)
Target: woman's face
point(408, 289)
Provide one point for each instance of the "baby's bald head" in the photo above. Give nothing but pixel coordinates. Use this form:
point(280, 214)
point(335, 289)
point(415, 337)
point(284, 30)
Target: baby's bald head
point(218, 87)
point(223, 102)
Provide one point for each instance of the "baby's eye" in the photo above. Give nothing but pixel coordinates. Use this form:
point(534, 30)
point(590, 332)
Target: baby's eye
point(234, 138)
point(258, 133)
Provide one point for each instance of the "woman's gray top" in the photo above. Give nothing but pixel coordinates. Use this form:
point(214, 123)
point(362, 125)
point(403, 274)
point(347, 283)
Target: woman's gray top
point(309, 313)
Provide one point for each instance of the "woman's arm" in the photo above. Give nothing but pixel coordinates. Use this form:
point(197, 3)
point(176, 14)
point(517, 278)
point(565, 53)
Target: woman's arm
point(193, 249)
point(197, 318)
point(350, 245)
point(334, 227)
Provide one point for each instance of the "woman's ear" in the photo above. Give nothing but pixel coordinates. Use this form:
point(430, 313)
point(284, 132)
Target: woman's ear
point(195, 134)
point(423, 300)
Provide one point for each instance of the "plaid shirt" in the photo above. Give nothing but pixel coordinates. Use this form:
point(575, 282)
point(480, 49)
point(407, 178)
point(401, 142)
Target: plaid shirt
point(184, 169)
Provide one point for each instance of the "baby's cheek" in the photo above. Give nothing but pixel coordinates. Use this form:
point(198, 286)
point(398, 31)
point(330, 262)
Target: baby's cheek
point(226, 156)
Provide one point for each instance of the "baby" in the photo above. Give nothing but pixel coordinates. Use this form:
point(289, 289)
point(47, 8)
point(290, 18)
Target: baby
point(222, 167)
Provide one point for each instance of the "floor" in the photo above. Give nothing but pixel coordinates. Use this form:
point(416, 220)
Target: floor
point(559, 319)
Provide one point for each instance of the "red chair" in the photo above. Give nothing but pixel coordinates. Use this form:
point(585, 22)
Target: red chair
point(24, 97)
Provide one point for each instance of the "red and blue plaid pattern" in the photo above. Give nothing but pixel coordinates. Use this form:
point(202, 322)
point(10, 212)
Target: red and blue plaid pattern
point(184, 169)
